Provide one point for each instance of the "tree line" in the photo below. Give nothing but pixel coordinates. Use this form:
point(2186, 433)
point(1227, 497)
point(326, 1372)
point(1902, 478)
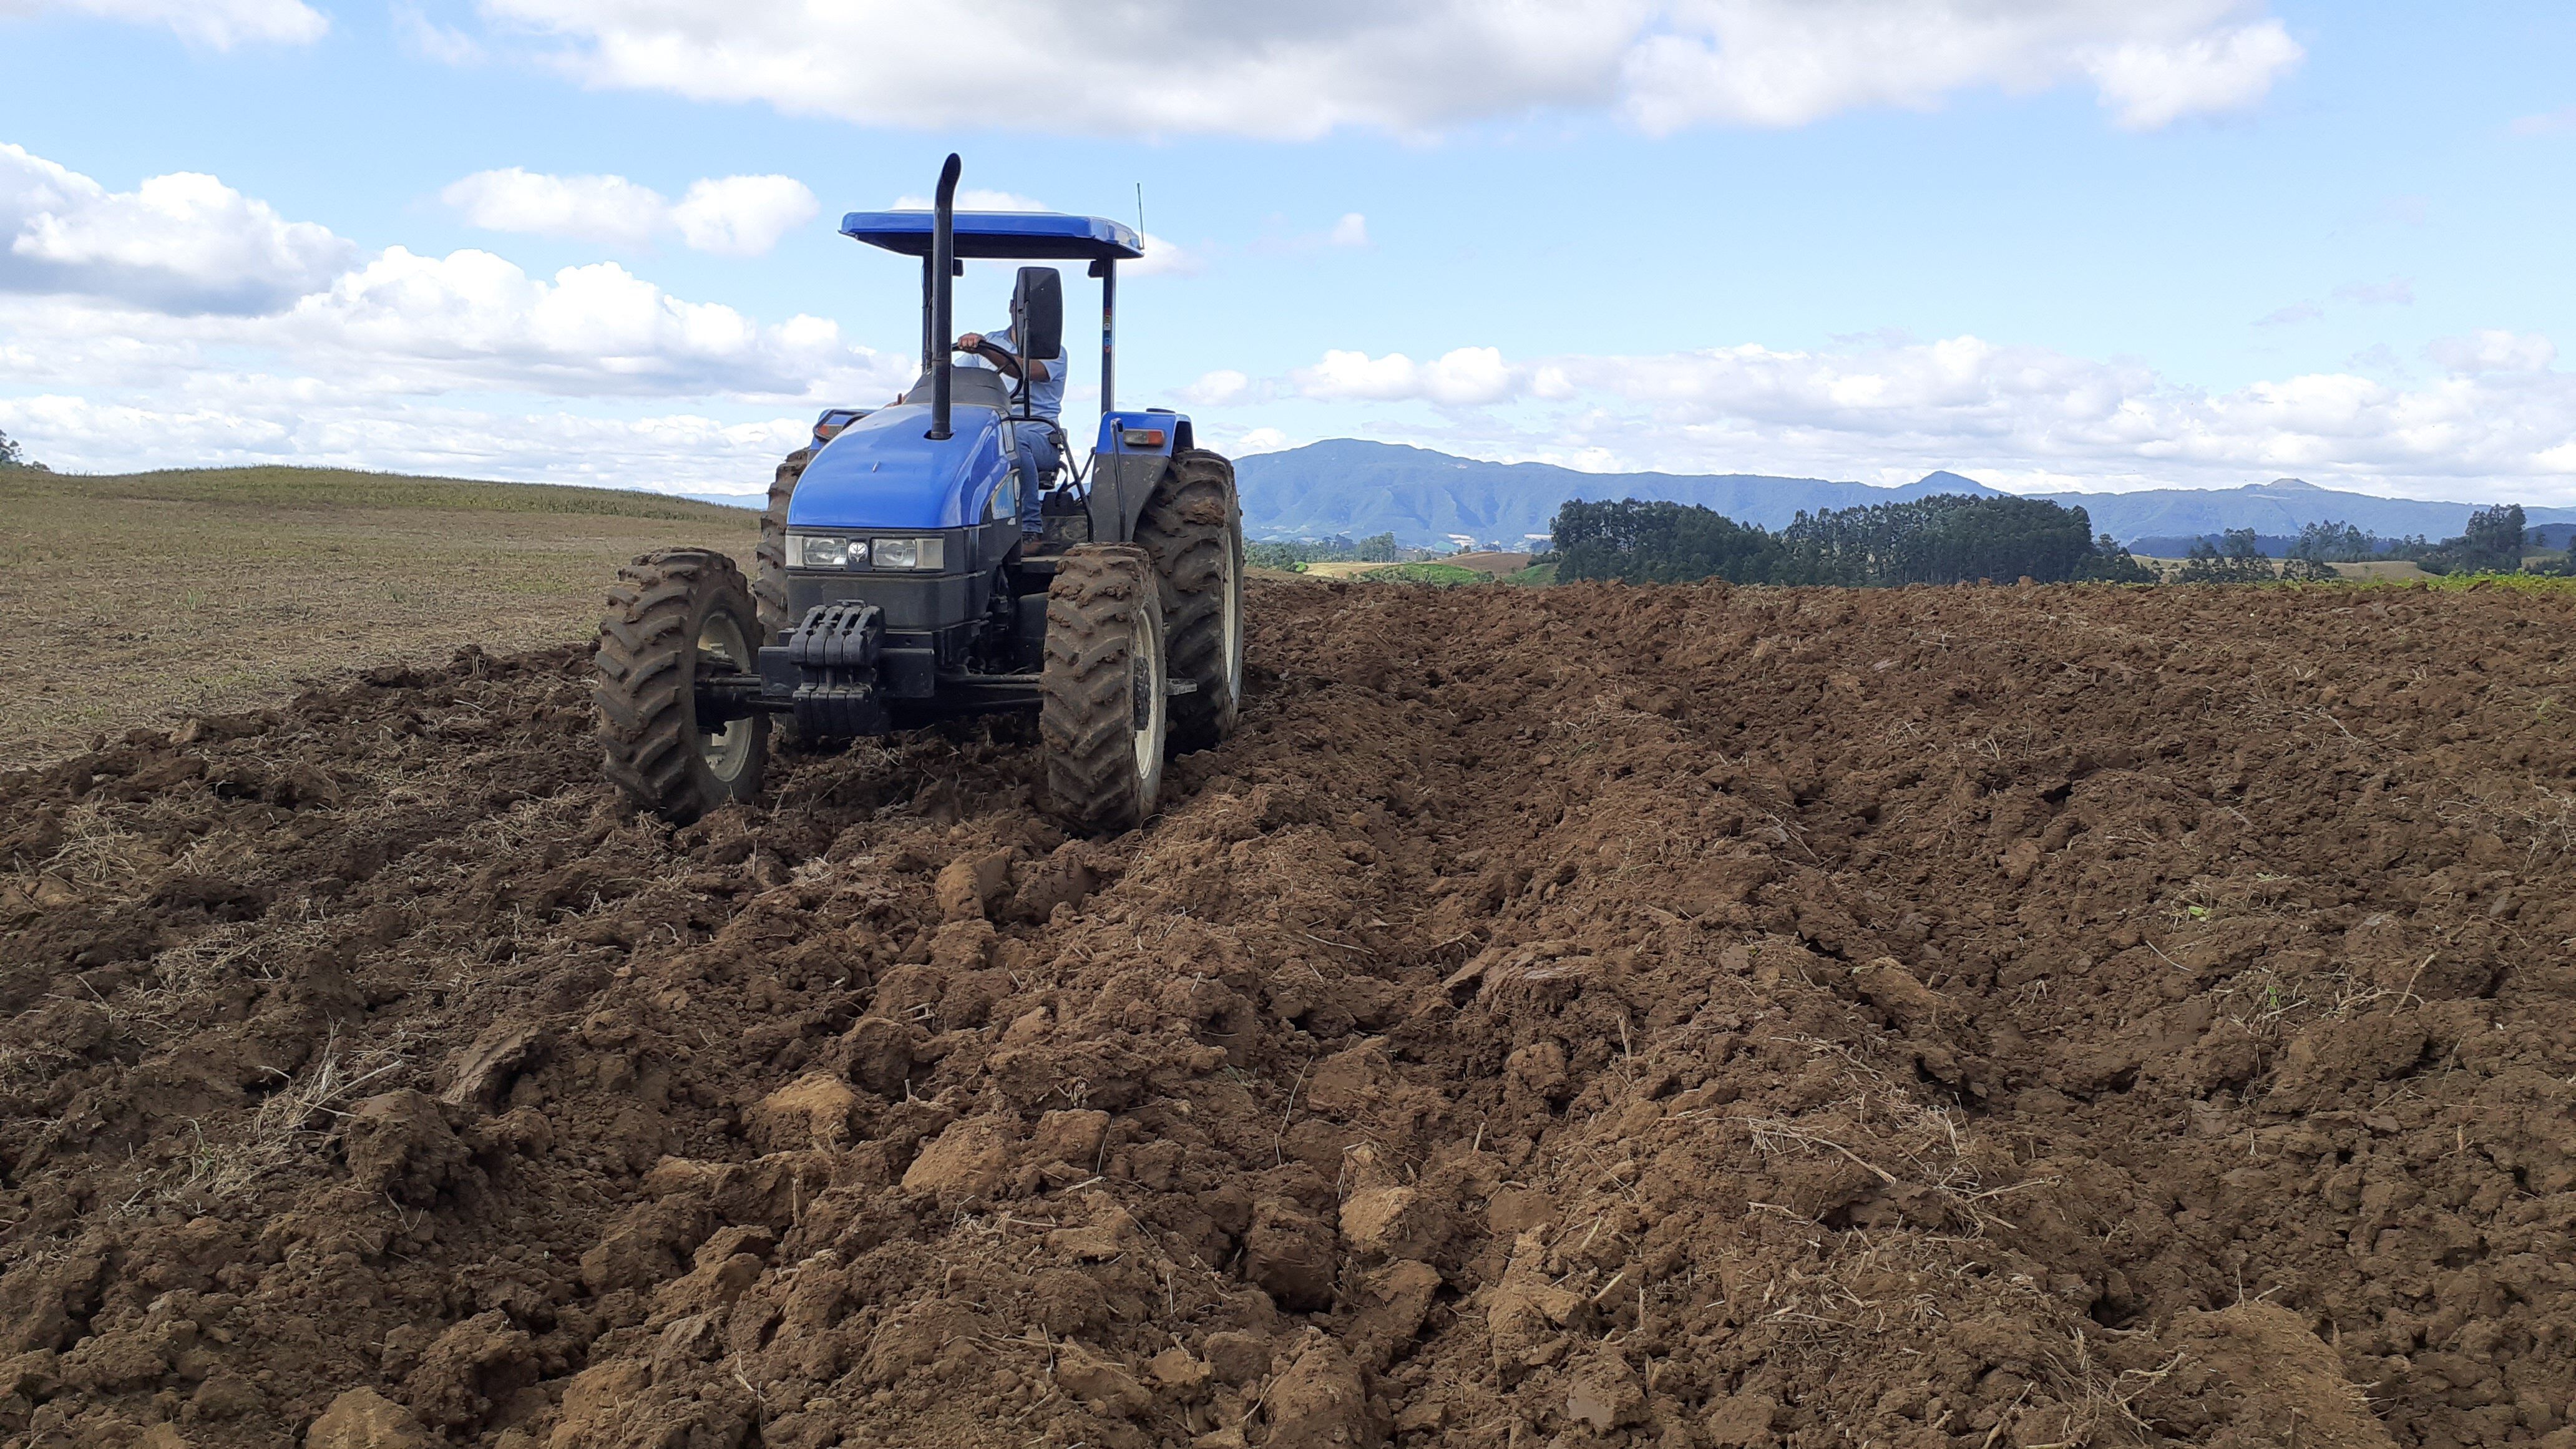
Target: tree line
point(1288, 553)
point(2492, 543)
point(1951, 538)
point(12, 456)
point(1945, 539)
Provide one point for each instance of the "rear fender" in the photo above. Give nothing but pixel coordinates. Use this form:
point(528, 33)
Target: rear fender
point(1126, 462)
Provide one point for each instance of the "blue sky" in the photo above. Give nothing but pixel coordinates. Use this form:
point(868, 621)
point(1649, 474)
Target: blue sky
point(2087, 243)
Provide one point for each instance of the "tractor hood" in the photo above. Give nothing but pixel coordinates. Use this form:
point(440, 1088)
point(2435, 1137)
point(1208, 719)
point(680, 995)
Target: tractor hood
point(881, 472)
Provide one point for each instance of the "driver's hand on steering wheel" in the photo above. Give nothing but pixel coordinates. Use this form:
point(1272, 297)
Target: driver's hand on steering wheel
point(971, 342)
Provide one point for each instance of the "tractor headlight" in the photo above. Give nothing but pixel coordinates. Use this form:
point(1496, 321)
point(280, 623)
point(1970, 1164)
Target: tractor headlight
point(911, 553)
point(823, 551)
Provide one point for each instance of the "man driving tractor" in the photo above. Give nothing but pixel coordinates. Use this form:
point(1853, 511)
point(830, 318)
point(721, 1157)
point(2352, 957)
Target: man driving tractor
point(1039, 453)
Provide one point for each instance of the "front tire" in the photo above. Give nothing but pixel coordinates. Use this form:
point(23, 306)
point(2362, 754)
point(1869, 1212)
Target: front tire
point(769, 562)
point(1104, 710)
point(1193, 527)
point(672, 617)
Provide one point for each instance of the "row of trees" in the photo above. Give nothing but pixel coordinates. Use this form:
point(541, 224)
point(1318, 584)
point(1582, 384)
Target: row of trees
point(12, 456)
point(2331, 541)
point(2492, 543)
point(1954, 539)
point(2238, 558)
point(1340, 548)
point(1945, 539)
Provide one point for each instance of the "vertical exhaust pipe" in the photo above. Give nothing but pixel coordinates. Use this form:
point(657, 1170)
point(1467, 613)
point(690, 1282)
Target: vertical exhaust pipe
point(943, 266)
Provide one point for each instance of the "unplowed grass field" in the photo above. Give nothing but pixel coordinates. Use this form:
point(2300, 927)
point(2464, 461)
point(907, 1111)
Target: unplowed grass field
point(140, 598)
point(1688, 1017)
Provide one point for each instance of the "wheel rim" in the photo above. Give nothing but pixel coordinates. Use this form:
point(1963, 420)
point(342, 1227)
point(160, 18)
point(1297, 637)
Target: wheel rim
point(1232, 608)
point(1146, 697)
point(727, 751)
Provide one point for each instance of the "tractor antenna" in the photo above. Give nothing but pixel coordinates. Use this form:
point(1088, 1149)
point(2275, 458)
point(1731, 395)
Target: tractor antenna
point(1140, 209)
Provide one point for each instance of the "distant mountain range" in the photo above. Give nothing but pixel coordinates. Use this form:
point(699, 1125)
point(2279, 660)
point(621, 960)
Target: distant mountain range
point(1357, 488)
point(1346, 486)
point(2277, 507)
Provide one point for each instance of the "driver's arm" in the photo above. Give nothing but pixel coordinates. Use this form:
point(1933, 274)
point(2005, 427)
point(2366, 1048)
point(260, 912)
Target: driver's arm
point(991, 351)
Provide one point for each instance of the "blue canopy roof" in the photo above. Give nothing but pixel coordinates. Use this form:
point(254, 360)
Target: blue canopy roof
point(1023, 234)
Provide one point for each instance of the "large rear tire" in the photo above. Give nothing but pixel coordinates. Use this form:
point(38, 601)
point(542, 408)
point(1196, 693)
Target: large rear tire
point(769, 562)
point(673, 616)
point(1104, 710)
point(1193, 528)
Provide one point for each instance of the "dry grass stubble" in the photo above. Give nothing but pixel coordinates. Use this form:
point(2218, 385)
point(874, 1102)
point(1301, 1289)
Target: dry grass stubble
point(133, 600)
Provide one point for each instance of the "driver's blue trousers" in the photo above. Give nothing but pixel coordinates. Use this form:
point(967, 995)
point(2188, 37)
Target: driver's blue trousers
point(1038, 457)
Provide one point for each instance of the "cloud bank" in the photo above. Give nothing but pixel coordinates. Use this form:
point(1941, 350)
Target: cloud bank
point(215, 24)
point(181, 242)
point(740, 216)
point(1294, 72)
point(2499, 413)
point(182, 321)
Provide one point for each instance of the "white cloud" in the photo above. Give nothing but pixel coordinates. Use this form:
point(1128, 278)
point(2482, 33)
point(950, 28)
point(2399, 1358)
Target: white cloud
point(425, 37)
point(1350, 231)
point(2395, 292)
point(976, 198)
point(2151, 83)
point(665, 451)
point(392, 360)
point(581, 208)
point(2493, 351)
point(1163, 258)
point(2547, 123)
point(404, 324)
point(1461, 378)
point(1790, 62)
point(182, 242)
point(1409, 66)
point(473, 320)
point(740, 216)
point(217, 24)
point(2020, 413)
point(1218, 389)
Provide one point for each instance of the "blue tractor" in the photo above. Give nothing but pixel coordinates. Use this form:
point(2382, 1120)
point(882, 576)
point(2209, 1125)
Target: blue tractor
point(946, 556)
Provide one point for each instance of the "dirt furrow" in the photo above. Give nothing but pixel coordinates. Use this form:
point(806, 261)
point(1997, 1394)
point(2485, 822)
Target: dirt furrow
point(1689, 1017)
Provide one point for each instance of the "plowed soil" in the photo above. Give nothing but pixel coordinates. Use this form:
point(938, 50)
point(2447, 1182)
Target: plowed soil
point(1674, 1017)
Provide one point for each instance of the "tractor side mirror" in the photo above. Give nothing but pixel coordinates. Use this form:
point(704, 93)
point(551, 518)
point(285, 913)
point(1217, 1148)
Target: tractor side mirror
point(1037, 307)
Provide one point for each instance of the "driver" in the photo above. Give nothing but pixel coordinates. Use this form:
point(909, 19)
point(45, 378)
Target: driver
point(1038, 453)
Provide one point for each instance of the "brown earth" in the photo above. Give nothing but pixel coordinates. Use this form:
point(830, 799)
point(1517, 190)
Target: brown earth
point(1496, 564)
point(1674, 1017)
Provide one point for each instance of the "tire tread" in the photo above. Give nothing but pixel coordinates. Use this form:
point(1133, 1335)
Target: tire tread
point(1085, 712)
point(1190, 525)
point(644, 663)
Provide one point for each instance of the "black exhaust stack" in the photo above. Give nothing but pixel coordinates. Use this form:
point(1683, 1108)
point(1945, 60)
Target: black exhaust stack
point(943, 264)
